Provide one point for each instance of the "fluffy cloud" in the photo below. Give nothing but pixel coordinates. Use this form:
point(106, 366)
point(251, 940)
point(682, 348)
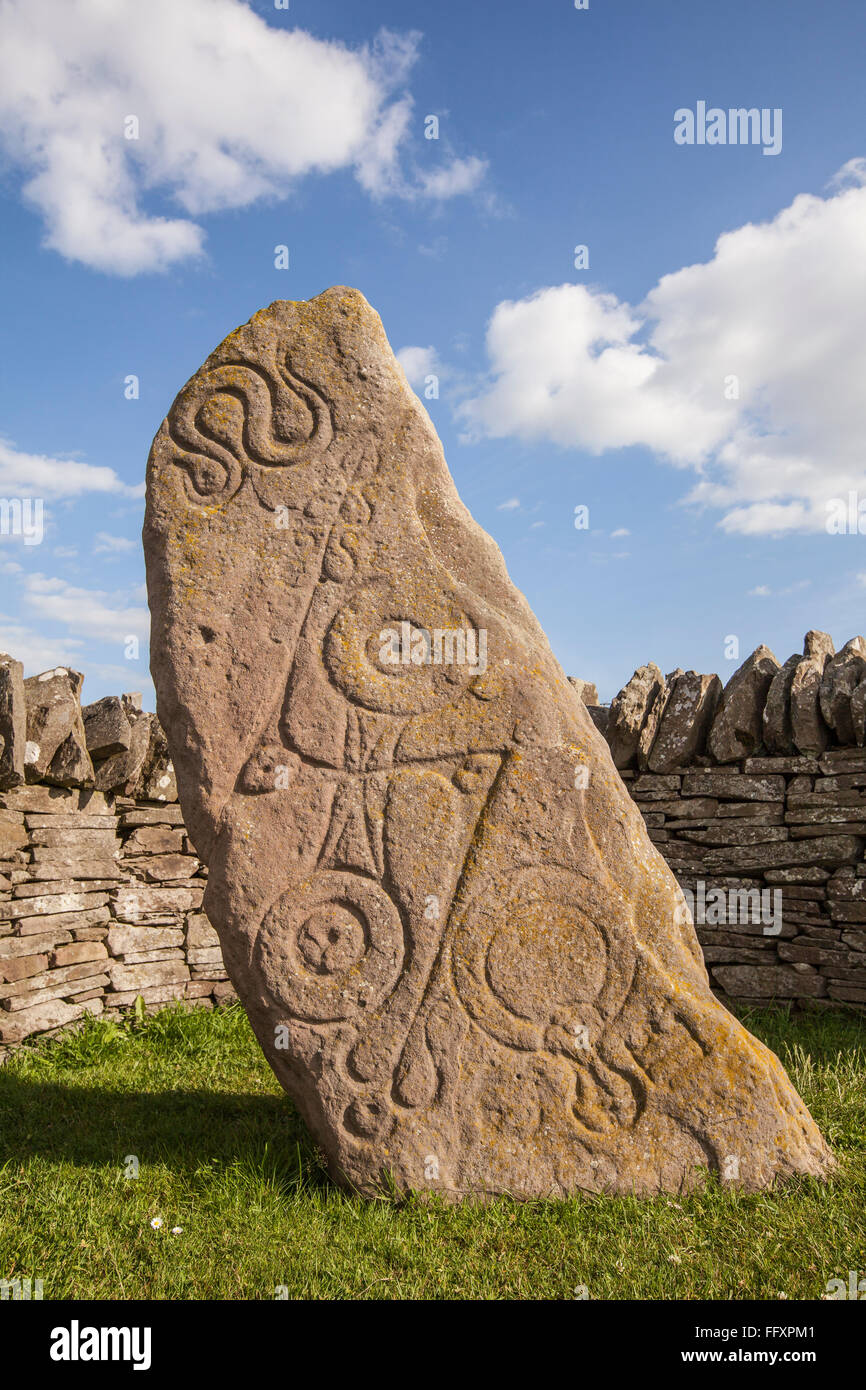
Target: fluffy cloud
point(229, 110)
point(112, 545)
point(748, 368)
point(85, 612)
point(764, 590)
point(37, 651)
point(86, 622)
point(461, 176)
point(36, 475)
point(418, 363)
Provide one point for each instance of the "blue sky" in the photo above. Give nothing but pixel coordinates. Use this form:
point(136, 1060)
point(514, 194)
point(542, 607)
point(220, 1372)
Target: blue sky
point(558, 387)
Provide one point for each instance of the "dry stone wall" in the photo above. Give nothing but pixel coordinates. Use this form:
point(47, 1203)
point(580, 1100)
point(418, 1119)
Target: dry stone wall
point(770, 853)
point(100, 888)
point(754, 793)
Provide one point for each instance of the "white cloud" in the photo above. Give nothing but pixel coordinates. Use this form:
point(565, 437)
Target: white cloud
point(93, 613)
point(418, 363)
point(37, 651)
point(621, 531)
point(421, 363)
point(89, 616)
point(36, 475)
point(510, 505)
point(778, 308)
point(460, 176)
point(764, 590)
point(230, 110)
point(852, 172)
point(111, 545)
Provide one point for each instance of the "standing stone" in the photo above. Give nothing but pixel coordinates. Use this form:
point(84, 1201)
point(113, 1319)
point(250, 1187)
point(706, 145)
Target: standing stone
point(106, 727)
point(738, 728)
point(654, 718)
point(818, 645)
point(13, 723)
point(156, 780)
point(458, 948)
point(71, 765)
point(122, 771)
point(585, 689)
point(858, 713)
point(629, 711)
point(56, 744)
point(777, 709)
point(688, 714)
point(808, 730)
point(599, 714)
point(842, 674)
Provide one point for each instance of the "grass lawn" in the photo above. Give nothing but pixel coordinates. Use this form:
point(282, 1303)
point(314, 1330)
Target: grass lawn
point(222, 1155)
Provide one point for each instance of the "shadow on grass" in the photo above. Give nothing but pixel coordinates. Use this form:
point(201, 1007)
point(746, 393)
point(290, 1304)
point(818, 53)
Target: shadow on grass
point(188, 1130)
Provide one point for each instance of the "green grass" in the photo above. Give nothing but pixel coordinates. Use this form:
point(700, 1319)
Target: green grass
point(223, 1155)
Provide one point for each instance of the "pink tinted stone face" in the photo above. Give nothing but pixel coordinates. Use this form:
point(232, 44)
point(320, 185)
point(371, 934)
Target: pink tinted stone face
point(460, 952)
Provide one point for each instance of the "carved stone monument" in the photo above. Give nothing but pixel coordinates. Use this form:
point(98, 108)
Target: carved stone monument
point(459, 950)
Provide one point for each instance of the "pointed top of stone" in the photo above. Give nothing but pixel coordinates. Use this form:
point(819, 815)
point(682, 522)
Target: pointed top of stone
point(818, 644)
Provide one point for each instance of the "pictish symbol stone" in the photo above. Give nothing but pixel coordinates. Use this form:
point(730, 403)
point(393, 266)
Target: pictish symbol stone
point(477, 960)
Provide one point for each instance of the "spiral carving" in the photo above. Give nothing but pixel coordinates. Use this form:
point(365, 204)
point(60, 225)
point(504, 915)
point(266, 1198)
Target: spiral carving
point(236, 419)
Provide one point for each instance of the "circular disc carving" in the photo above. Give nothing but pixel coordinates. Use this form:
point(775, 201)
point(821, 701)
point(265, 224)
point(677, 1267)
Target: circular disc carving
point(372, 671)
point(529, 953)
point(332, 948)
